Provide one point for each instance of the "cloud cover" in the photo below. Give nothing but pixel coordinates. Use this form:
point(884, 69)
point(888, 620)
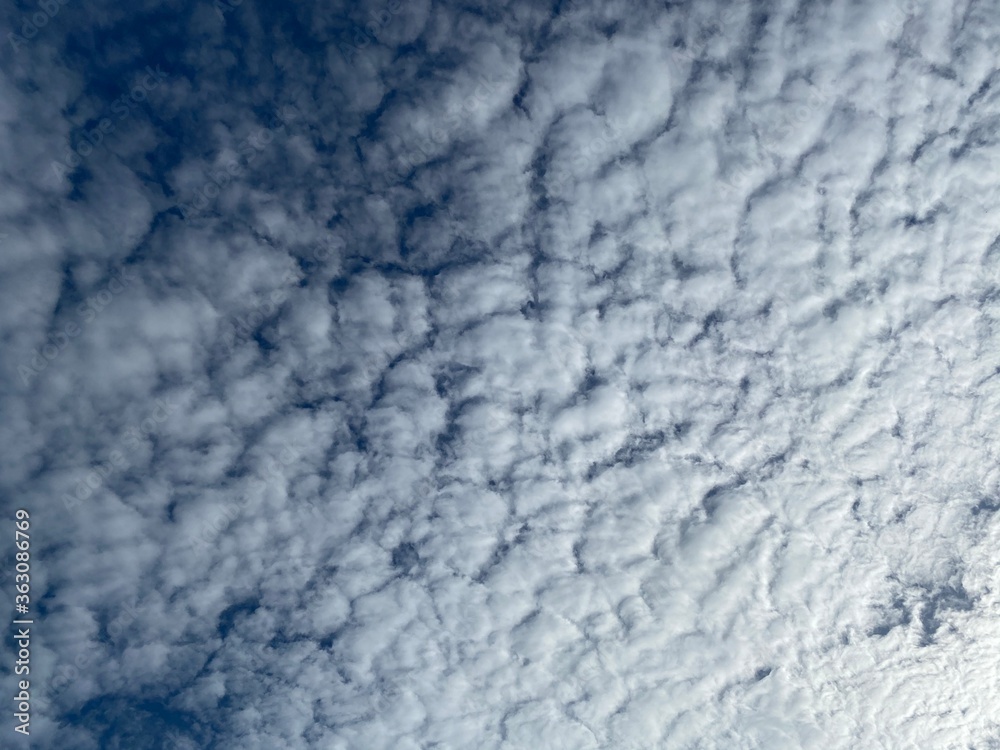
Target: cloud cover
point(587, 376)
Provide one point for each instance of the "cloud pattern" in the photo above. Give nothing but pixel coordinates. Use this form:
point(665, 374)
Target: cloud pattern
point(584, 375)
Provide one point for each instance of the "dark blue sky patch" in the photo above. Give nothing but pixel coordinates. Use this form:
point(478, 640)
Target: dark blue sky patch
point(405, 557)
point(231, 616)
point(123, 723)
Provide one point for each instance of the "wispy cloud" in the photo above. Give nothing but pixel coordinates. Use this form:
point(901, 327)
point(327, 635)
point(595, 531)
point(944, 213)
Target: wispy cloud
point(86, 312)
point(89, 141)
point(117, 458)
point(248, 150)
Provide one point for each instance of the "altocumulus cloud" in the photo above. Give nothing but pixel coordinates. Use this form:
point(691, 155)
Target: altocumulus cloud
point(580, 375)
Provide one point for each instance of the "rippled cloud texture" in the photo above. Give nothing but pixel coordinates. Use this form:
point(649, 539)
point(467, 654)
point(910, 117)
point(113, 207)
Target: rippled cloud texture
point(463, 375)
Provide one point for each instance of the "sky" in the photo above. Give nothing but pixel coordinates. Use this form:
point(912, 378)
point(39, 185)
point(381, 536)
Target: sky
point(425, 375)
